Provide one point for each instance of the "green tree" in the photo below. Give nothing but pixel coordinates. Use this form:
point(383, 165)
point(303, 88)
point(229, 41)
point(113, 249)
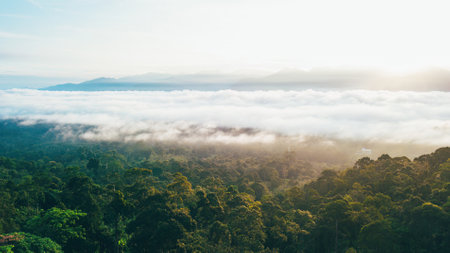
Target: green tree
point(159, 225)
point(245, 223)
point(115, 211)
point(58, 224)
point(27, 243)
point(378, 236)
point(429, 227)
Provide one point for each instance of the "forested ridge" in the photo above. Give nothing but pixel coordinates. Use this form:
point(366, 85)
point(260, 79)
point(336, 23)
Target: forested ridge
point(85, 197)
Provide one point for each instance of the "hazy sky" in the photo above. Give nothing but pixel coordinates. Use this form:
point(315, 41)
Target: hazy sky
point(90, 38)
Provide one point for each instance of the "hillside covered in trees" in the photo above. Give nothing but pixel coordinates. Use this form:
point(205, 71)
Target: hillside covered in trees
point(109, 197)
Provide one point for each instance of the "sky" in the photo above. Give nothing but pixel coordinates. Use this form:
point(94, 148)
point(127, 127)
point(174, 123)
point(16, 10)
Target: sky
point(91, 38)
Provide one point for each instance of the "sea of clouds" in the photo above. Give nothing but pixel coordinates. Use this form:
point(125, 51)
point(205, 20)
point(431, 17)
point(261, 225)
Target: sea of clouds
point(237, 116)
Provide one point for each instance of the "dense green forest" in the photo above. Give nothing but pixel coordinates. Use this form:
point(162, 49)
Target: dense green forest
point(59, 195)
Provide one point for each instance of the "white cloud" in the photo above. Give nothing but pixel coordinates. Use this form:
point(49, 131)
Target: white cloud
point(239, 117)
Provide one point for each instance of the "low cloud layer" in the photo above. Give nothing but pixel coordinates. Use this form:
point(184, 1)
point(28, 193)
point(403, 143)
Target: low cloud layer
point(237, 116)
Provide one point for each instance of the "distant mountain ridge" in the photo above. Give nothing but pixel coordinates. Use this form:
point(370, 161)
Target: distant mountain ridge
point(290, 79)
point(151, 82)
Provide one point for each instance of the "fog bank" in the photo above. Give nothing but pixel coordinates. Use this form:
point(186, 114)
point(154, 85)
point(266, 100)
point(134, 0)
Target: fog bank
point(401, 117)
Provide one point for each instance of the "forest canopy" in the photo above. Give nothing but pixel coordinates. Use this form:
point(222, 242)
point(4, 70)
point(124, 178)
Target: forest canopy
point(66, 196)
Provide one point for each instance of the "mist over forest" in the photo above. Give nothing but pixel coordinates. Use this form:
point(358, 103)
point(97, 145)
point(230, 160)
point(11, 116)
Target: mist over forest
point(226, 171)
point(227, 116)
point(286, 195)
